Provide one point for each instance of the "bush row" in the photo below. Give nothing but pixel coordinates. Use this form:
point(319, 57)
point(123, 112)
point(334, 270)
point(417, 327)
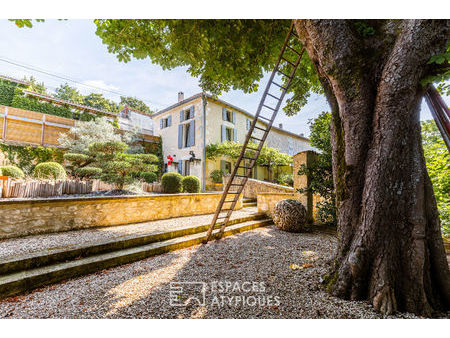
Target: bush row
point(175, 183)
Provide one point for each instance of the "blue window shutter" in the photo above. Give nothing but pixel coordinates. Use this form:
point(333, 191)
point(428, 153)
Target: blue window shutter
point(224, 113)
point(224, 133)
point(248, 124)
point(181, 116)
point(180, 136)
point(161, 124)
point(180, 167)
point(192, 134)
point(169, 121)
point(235, 135)
point(191, 112)
point(234, 117)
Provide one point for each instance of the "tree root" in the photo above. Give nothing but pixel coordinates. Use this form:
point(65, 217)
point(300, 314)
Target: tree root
point(384, 301)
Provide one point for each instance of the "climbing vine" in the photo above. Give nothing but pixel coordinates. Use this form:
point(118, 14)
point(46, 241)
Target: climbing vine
point(27, 157)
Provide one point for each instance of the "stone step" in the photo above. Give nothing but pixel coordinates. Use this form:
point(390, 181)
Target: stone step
point(18, 282)
point(51, 256)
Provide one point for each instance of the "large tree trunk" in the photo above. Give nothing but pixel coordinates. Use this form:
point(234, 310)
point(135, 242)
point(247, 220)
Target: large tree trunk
point(390, 246)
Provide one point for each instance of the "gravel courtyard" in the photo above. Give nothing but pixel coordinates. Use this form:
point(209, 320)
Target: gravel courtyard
point(264, 273)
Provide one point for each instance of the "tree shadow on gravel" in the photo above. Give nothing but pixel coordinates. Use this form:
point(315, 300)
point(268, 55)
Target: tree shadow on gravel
point(249, 275)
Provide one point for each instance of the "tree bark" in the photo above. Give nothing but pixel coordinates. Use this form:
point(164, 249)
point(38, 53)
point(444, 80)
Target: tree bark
point(390, 246)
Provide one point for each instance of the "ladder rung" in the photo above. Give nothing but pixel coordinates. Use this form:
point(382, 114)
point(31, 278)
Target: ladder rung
point(255, 138)
point(275, 97)
point(251, 148)
point(242, 166)
point(236, 184)
point(278, 85)
point(240, 176)
point(224, 210)
point(279, 71)
point(265, 118)
point(293, 64)
point(248, 158)
point(298, 53)
point(269, 107)
point(260, 128)
point(229, 201)
point(221, 217)
point(294, 33)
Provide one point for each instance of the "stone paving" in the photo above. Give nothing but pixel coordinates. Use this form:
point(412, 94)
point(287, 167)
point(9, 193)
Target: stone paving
point(59, 240)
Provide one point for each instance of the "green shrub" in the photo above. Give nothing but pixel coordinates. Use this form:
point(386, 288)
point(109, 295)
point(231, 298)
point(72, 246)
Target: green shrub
point(11, 171)
point(49, 170)
point(88, 172)
point(286, 179)
point(148, 176)
point(216, 176)
point(191, 184)
point(171, 183)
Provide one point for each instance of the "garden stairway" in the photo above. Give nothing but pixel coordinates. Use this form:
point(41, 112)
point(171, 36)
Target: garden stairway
point(23, 272)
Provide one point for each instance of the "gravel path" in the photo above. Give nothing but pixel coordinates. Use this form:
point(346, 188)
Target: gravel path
point(262, 256)
point(29, 244)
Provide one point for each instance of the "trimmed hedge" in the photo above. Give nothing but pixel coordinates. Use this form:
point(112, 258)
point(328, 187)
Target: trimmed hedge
point(171, 183)
point(49, 170)
point(148, 176)
point(12, 171)
point(191, 184)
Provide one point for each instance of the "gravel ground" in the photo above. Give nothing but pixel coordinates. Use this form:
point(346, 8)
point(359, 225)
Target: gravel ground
point(28, 244)
point(142, 289)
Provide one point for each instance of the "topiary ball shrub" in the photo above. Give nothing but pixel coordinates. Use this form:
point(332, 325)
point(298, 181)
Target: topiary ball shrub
point(171, 183)
point(148, 177)
point(290, 215)
point(49, 171)
point(191, 184)
point(11, 171)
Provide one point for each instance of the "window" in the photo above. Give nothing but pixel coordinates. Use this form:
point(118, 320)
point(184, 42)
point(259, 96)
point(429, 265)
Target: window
point(249, 123)
point(186, 134)
point(166, 122)
point(225, 166)
point(187, 114)
point(228, 134)
point(228, 115)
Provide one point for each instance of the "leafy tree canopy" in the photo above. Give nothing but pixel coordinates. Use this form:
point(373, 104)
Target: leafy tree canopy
point(35, 86)
point(100, 102)
point(66, 92)
point(223, 54)
point(134, 103)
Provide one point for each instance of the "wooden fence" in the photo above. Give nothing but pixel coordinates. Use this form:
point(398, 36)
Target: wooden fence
point(30, 127)
point(27, 188)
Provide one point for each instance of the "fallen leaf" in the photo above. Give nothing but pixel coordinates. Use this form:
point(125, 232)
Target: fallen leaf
point(308, 265)
point(295, 267)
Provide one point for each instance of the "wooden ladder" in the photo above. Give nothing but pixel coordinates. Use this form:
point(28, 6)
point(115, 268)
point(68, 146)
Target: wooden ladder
point(440, 113)
point(267, 111)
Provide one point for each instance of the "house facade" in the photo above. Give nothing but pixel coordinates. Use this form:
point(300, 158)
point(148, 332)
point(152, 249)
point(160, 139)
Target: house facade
point(188, 126)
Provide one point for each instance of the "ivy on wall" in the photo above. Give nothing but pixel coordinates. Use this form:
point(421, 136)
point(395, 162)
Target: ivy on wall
point(12, 95)
point(27, 157)
point(6, 92)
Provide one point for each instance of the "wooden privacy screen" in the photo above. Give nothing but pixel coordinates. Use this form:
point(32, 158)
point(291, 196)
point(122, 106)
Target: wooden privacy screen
point(25, 126)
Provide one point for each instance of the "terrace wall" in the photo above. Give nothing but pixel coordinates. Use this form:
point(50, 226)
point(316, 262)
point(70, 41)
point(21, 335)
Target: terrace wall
point(29, 217)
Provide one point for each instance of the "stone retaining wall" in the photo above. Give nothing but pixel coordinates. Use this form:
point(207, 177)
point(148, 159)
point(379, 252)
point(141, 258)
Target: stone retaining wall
point(254, 187)
point(266, 201)
point(38, 216)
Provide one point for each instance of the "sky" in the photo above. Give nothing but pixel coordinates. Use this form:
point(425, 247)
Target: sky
point(70, 48)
